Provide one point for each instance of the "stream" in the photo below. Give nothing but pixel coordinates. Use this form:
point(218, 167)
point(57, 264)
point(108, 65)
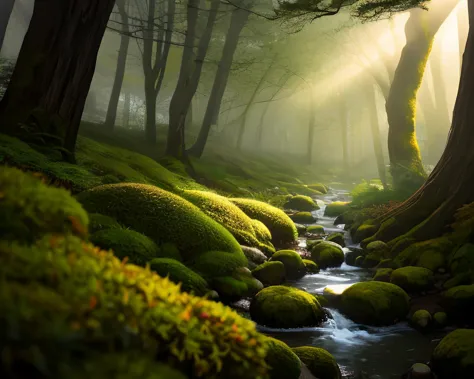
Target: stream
point(362, 352)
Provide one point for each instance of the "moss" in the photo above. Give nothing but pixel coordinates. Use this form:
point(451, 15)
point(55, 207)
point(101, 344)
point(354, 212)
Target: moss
point(170, 250)
point(359, 261)
point(319, 362)
point(459, 301)
point(303, 218)
point(283, 362)
point(371, 260)
point(462, 260)
point(458, 280)
point(319, 187)
point(301, 229)
point(231, 217)
point(421, 319)
point(262, 232)
point(281, 227)
point(300, 203)
point(383, 275)
point(375, 303)
point(378, 248)
point(270, 273)
point(337, 238)
point(364, 231)
point(428, 254)
point(440, 319)
point(327, 254)
point(30, 209)
point(71, 300)
point(387, 263)
point(165, 217)
point(433, 261)
point(413, 279)
point(98, 222)
point(229, 287)
point(178, 273)
point(453, 358)
point(286, 307)
point(311, 267)
point(336, 208)
point(315, 229)
point(294, 266)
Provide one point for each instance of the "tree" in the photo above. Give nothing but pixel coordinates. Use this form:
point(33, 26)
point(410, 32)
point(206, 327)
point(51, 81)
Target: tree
point(6, 9)
point(53, 75)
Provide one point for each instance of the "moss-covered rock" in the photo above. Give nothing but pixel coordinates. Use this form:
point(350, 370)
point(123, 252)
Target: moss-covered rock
point(429, 254)
point(311, 267)
point(364, 231)
point(359, 261)
point(337, 238)
point(180, 274)
point(294, 265)
point(301, 229)
point(370, 261)
point(319, 362)
point(281, 227)
point(286, 307)
point(336, 208)
point(327, 254)
point(459, 301)
point(383, 275)
point(283, 362)
point(457, 280)
point(453, 358)
point(263, 234)
point(375, 303)
point(303, 218)
point(387, 263)
point(98, 222)
point(315, 229)
point(440, 319)
point(413, 279)
point(30, 209)
point(300, 203)
point(462, 260)
point(421, 319)
point(378, 248)
point(230, 288)
point(270, 273)
point(254, 256)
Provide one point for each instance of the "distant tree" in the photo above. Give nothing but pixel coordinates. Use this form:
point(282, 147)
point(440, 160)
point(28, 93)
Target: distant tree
point(6, 9)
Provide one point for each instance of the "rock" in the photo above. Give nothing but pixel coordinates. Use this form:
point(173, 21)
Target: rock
point(351, 256)
point(453, 358)
point(364, 231)
point(383, 275)
point(294, 266)
point(301, 229)
point(420, 371)
point(429, 254)
point(99, 222)
point(370, 261)
point(378, 249)
point(283, 362)
point(413, 279)
point(315, 229)
point(459, 301)
point(254, 256)
point(337, 238)
point(321, 363)
point(359, 262)
point(319, 187)
point(462, 260)
point(303, 218)
point(270, 273)
point(375, 303)
point(421, 319)
point(339, 220)
point(327, 254)
point(311, 267)
point(286, 307)
point(457, 280)
point(387, 263)
point(301, 203)
point(440, 319)
point(336, 208)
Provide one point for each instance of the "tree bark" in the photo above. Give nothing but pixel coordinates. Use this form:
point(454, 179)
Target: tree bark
point(55, 67)
point(238, 21)
point(120, 69)
point(126, 110)
point(6, 8)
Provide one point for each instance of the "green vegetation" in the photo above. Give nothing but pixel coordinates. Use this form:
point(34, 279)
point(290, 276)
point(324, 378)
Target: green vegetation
point(413, 279)
point(303, 218)
point(283, 362)
point(300, 203)
point(336, 208)
point(321, 364)
point(315, 229)
point(270, 273)
point(294, 265)
point(98, 222)
point(383, 275)
point(337, 238)
point(311, 267)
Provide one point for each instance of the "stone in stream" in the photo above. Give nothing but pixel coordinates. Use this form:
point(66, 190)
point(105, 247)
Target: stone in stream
point(419, 371)
point(413, 279)
point(303, 218)
point(421, 319)
point(300, 203)
point(283, 363)
point(319, 362)
point(254, 256)
point(294, 265)
point(270, 273)
point(338, 238)
point(327, 254)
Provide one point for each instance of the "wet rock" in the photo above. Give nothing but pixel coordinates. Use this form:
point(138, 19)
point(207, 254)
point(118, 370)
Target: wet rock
point(420, 371)
point(421, 319)
point(283, 363)
point(351, 256)
point(319, 362)
point(337, 238)
point(300, 203)
point(336, 208)
point(311, 267)
point(364, 231)
point(315, 229)
point(413, 279)
point(270, 273)
point(383, 275)
point(359, 261)
point(327, 254)
point(254, 256)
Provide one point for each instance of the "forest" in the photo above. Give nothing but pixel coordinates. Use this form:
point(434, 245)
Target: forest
point(255, 189)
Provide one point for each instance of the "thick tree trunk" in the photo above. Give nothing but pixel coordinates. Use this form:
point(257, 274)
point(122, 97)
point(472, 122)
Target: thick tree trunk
point(238, 21)
point(426, 214)
point(55, 67)
point(188, 79)
point(126, 110)
point(120, 69)
point(6, 8)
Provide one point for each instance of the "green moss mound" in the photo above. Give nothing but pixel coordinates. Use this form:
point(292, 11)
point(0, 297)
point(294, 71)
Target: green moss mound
point(98, 222)
point(30, 209)
point(429, 254)
point(300, 203)
point(321, 363)
point(315, 229)
point(453, 358)
point(180, 274)
point(413, 279)
point(383, 275)
point(126, 243)
point(459, 301)
point(165, 217)
point(337, 238)
point(311, 267)
point(64, 296)
point(282, 229)
point(364, 231)
point(421, 319)
point(262, 232)
point(270, 273)
point(294, 265)
point(303, 218)
point(327, 254)
point(286, 307)
point(283, 362)
point(336, 208)
point(319, 187)
point(231, 217)
point(375, 303)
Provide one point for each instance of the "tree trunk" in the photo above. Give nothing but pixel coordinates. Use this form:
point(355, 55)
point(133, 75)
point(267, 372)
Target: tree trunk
point(260, 125)
point(188, 79)
point(126, 110)
point(120, 69)
point(55, 67)
point(426, 214)
point(238, 21)
point(405, 160)
point(6, 8)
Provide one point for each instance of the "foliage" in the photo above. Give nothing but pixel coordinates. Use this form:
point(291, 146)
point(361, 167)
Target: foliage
point(99, 222)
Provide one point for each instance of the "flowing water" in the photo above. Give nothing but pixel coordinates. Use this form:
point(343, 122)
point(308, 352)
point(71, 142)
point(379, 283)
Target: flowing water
point(362, 352)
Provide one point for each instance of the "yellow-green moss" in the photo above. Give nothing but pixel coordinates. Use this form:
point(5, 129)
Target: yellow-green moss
point(283, 362)
point(336, 208)
point(300, 203)
point(215, 264)
point(99, 222)
point(270, 273)
point(303, 218)
point(294, 266)
point(421, 319)
point(229, 287)
point(29, 209)
point(282, 229)
point(440, 319)
point(315, 229)
point(327, 254)
point(413, 279)
point(428, 254)
point(462, 260)
point(262, 232)
point(320, 362)
point(286, 307)
point(375, 303)
point(337, 238)
point(364, 231)
point(383, 275)
point(311, 267)
point(318, 187)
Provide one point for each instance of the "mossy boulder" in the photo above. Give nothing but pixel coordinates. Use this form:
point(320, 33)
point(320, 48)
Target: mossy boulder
point(387, 263)
point(230, 288)
point(383, 275)
point(375, 303)
point(327, 254)
point(421, 319)
point(281, 227)
point(457, 280)
point(413, 279)
point(453, 358)
point(294, 265)
point(311, 267)
point(336, 208)
point(378, 248)
point(282, 361)
point(286, 307)
point(337, 238)
point(429, 254)
point(270, 273)
point(98, 222)
point(126, 243)
point(300, 203)
point(440, 319)
point(359, 261)
point(301, 229)
point(315, 229)
point(462, 260)
point(364, 231)
point(30, 209)
point(459, 301)
point(303, 218)
point(254, 256)
point(180, 274)
point(231, 217)
point(319, 362)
